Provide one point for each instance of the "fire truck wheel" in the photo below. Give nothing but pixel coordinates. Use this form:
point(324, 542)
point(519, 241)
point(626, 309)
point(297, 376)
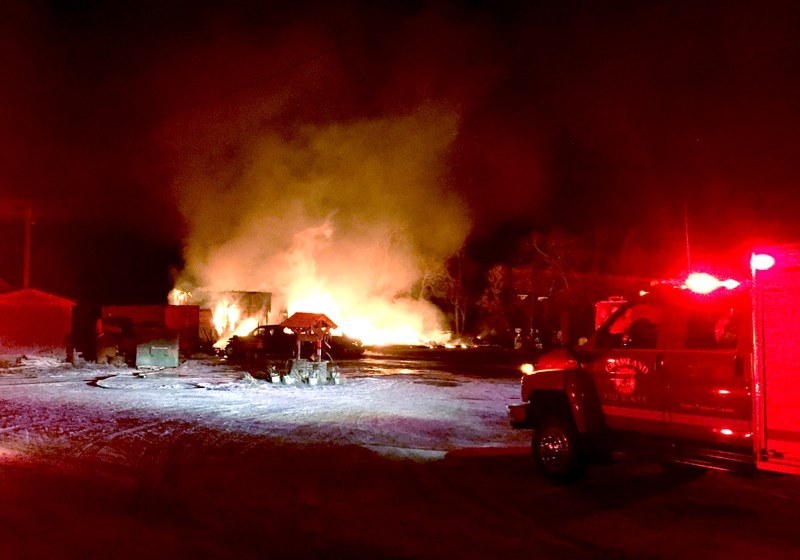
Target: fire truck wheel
point(557, 450)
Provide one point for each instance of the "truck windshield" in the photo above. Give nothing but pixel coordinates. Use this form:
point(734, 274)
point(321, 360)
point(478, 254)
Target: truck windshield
point(633, 326)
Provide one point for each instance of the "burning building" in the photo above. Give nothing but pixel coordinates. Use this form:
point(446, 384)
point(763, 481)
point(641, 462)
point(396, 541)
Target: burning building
point(225, 313)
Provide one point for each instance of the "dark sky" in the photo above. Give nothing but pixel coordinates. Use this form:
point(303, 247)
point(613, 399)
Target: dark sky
point(622, 118)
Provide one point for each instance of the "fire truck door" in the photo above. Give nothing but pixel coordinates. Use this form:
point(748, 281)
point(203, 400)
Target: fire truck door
point(707, 370)
point(627, 374)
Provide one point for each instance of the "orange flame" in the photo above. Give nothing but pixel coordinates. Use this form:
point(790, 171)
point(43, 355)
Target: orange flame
point(228, 321)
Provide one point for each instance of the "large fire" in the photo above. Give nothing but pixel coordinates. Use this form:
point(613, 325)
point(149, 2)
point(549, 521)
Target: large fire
point(373, 318)
point(339, 219)
point(229, 320)
point(376, 323)
point(359, 282)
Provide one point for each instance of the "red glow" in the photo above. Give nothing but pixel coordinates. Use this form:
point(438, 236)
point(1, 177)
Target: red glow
point(761, 262)
point(702, 283)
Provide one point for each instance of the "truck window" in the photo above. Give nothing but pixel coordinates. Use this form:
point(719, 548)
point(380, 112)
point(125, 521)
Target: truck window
point(636, 327)
point(710, 329)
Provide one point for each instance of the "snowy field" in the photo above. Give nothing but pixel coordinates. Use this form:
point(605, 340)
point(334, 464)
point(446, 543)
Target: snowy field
point(49, 404)
point(403, 460)
point(207, 461)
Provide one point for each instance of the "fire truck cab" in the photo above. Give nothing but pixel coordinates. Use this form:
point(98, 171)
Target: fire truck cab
point(702, 372)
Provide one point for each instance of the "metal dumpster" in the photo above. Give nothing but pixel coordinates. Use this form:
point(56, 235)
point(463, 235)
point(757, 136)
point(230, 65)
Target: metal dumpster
point(157, 347)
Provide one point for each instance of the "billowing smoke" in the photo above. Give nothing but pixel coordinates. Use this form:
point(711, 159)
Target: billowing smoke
point(339, 219)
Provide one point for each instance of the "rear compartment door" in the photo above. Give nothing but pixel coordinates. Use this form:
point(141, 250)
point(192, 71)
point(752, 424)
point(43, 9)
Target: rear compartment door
point(777, 362)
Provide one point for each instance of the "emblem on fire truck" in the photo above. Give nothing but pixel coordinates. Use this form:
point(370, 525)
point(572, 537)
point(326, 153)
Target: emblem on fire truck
point(623, 373)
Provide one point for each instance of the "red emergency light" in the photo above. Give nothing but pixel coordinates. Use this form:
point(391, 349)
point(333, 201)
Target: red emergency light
point(703, 283)
point(761, 261)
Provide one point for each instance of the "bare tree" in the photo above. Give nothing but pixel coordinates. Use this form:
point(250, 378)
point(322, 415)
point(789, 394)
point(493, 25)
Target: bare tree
point(493, 303)
point(456, 292)
point(544, 278)
point(445, 282)
point(546, 262)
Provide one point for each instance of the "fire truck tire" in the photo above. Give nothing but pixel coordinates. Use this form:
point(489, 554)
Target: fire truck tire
point(558, 452)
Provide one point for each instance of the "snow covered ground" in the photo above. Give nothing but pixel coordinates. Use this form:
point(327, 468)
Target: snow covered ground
point(50, 404)
point(207, 461)
point(404, 460)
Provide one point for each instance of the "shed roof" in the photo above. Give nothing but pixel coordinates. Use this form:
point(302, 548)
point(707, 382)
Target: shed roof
point(33, 295)
point(303, 320)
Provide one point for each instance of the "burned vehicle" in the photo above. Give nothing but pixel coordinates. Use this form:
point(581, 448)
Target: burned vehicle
point(277, 342)
point(343, 347)
point(265, 341)
point(299, 350)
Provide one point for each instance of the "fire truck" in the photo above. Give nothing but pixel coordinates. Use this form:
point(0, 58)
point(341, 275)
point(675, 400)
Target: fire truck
point(699, 373)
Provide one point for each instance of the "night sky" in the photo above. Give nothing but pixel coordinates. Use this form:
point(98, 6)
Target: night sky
point(613, 120)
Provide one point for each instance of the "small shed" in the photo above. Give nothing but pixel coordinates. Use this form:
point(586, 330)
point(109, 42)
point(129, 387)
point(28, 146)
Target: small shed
point(31, 318)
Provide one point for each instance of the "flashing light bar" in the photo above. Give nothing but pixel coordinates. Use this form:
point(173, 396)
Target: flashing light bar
point(761, 262)
point(702, 283)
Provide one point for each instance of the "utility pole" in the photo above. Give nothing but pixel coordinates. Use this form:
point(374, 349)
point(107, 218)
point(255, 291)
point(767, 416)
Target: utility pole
point(686, 233)
point(26, 267)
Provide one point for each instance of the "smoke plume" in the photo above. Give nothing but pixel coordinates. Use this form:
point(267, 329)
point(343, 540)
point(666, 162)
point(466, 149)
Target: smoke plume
point(337, 218)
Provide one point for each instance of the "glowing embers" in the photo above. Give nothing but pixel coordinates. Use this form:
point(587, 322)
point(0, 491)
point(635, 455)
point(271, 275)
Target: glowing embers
point(761, 262)
point(703, 283)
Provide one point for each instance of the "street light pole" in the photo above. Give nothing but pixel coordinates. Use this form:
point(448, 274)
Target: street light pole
point(26, 268)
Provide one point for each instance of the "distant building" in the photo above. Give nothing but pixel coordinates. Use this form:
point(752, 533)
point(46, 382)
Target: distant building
point(31, 318)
